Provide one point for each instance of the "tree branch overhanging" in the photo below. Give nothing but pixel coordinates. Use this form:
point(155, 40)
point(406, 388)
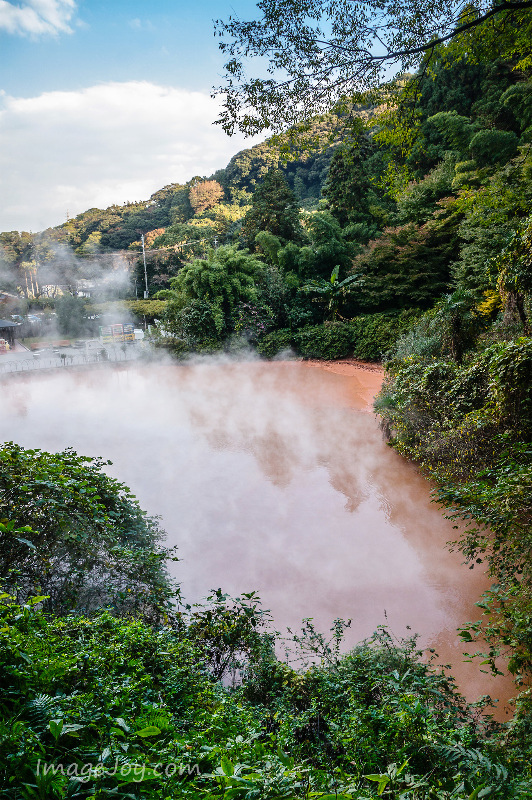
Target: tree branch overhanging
point(301, 60)
point(433, 42)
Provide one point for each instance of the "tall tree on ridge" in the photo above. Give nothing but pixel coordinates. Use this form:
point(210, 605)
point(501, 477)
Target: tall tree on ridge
point(274, 209)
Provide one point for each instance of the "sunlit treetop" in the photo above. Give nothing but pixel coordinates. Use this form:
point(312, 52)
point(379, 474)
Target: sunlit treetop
point(309, 55)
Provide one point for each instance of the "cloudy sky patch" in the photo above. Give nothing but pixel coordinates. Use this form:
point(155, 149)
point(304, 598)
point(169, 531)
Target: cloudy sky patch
point(106, 101)
point(37, 17)
point(110, 143)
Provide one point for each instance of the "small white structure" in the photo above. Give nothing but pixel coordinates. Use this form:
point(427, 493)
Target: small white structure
point(53, 290)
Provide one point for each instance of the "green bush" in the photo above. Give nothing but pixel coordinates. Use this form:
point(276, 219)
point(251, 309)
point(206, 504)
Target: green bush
point(275, 342)
point(120, 702)
point(375, 334)
point(175, 345)
point(366, 337)
point(329, 341)
point(70, 531)
point(489, 147)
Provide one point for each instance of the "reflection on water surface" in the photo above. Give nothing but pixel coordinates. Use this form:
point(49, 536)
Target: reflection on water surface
point(269, 477)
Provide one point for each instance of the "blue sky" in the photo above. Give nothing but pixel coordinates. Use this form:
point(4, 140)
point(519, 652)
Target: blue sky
point(165, 42)
point(104, 102)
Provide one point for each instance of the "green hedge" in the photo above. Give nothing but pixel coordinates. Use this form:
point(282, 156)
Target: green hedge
point(275, 342)
point(366, 337)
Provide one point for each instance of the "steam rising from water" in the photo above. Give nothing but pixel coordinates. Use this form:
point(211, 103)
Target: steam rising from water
point(268, 477)
point(58, 267)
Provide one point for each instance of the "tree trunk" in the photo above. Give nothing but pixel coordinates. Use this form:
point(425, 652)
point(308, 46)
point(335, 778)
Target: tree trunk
point(520, 305)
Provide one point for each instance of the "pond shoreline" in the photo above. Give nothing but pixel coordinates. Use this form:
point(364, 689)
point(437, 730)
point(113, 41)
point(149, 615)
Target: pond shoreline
point(270, 477)
point(354, 363)
point(368, 376)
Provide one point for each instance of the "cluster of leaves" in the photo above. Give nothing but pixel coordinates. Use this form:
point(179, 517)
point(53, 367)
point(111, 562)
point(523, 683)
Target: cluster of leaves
point(208, 294)
point(70, 531)
point(106, 707)
point(310, 56)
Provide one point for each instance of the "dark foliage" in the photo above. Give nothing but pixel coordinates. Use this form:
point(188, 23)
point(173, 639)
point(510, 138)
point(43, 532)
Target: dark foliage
point(73, 533)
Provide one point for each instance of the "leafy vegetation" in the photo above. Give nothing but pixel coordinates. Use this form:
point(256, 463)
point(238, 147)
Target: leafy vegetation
point(103, 706)
point(79, 536)
point(319, 55)
point(366, 337)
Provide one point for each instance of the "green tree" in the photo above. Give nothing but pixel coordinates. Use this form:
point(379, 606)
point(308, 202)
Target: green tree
point(351, 188)
point(71, 315)
point(16, 246)
point(457, 323)
point(319, 53)
point(492, 210)
point(518, 98)
point(408, 266)
point(328, 247)
point(18, 252)
point(515, 273)
point(192, 324)
point(187, 240)
point(456, 130)
point(331, 292)
point(274, 208)
point(29, 270)
point(71, 532)
point(268, 246)
point(220, 282)
point(419, 200)
point(489, 147)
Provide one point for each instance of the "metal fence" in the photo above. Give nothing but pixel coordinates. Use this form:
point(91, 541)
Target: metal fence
point(64, 361)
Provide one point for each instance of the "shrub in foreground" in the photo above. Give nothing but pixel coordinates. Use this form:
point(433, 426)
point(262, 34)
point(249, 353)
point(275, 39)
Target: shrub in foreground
point(106, 707)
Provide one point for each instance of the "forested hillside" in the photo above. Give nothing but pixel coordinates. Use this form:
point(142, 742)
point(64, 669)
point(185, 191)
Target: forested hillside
point(205, 210)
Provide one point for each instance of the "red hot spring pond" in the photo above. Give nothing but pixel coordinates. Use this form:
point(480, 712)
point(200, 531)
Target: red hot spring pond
point(271, 477)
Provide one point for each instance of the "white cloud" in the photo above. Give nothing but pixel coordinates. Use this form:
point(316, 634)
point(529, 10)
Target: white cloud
point(140, 25)
point(105, 144)
point(37, 17)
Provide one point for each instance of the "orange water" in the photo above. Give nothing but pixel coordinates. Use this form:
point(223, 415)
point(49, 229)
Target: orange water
point(271, 477)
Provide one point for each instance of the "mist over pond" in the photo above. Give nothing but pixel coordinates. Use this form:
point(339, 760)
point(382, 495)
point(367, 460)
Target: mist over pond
point(271, 477)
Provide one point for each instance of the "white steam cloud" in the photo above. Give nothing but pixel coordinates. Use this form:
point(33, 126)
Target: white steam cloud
point(37, 17)
point(111, 143)
point(104, 275)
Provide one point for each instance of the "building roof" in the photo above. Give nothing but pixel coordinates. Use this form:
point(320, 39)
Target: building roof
point(6, 323)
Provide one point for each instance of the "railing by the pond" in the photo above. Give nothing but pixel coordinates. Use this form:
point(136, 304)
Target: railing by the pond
point(63, 361)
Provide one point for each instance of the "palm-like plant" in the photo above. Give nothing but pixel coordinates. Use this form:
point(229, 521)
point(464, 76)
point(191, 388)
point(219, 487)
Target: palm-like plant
point(332, 292)
point(223, 280)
